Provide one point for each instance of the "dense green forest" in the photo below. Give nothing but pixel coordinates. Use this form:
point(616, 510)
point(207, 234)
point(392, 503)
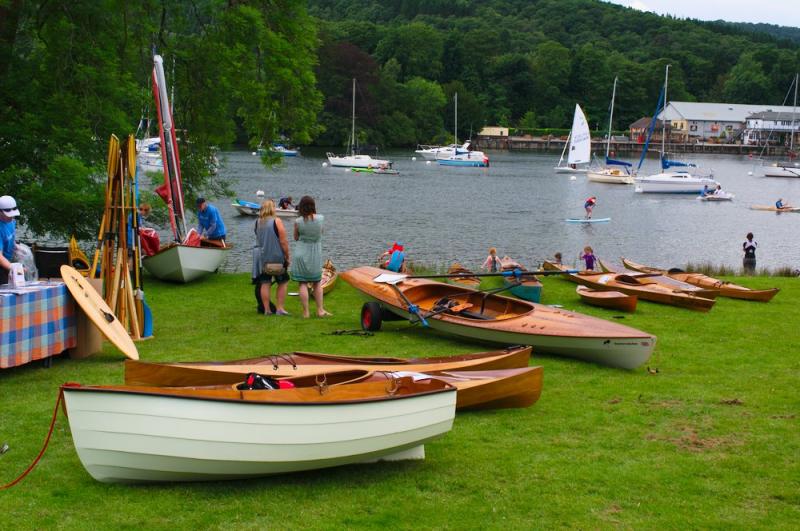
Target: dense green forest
point(779, 32)
point(525, 63)
point(246, 72)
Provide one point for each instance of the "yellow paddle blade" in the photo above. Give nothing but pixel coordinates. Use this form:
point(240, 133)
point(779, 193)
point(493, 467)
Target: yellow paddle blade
point(131, 156)
point(113, 155)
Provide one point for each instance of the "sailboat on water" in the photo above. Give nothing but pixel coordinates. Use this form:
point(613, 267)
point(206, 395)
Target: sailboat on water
point(613, 171)
point(788, 168)
point(675, 177)
point(353, 160)
point(580, 145)
point(462, 156)
point(185, 259)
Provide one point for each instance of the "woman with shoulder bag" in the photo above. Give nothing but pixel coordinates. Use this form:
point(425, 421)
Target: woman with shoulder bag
point(307, 269)
point(271, 258)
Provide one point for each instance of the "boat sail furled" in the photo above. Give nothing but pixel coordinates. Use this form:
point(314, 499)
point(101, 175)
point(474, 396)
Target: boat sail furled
point(614, 171)
point(177, 261)
point(352, 160)
point(580, 145)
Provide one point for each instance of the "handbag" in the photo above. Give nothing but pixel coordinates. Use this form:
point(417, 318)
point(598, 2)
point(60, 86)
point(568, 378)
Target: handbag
point(274, 268)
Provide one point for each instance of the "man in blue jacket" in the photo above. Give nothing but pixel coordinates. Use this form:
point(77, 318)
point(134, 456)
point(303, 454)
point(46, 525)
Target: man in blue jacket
point(211, 227)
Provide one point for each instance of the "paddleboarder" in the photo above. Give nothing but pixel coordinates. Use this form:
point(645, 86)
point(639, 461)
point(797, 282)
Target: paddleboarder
point(588, 205)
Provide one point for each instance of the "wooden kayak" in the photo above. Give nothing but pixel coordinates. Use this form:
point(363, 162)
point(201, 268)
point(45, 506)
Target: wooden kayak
point(501, 388)
point(296, 364)
point(527, 287)
point(329, 276)
point(614, 300)
point(664, 280)
point(726, 289)
point(155, 434)
point(772, 208)
point(489, 317)
point(645, 288)
point(466, 280)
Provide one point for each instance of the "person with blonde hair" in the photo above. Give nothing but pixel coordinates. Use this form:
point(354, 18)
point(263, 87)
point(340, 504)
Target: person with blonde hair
point(589, 258)
point(492, 262)
point(271, 258)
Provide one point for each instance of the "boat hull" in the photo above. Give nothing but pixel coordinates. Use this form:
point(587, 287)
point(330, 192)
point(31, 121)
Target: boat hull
point(613, 300)
point(726, 289)
point(182, 263)
point(546, 329)
point(530, 291)
point(782, 171)
point(150, 437)
point(673, 183)
point(568, 170)
point(609, 176)
point(471, 163)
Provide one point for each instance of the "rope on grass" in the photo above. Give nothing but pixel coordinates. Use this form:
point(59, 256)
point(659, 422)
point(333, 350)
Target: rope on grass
point(46, 442)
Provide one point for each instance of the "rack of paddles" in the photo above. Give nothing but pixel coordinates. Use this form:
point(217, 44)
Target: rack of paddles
point(117, 259)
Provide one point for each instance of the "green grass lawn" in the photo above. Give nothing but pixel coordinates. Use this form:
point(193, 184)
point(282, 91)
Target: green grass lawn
point(711, 440)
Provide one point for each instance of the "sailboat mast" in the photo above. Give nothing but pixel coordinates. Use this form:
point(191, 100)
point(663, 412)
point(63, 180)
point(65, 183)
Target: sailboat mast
point(794, 113)
point(353, 126)
point(664, 112)
point(611, 117)
point(455, 132)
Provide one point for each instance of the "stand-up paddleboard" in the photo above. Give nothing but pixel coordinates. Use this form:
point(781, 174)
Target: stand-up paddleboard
point(584, 220)
point(98, 311)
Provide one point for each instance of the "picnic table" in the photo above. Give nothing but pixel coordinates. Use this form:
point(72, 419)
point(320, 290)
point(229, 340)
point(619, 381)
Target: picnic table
point(37, 321)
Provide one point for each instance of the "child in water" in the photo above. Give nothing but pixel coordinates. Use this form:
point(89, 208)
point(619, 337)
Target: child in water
point(589, 258)
point(492, 262)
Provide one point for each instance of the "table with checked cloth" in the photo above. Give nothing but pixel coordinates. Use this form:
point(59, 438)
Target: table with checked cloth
point(36, 321)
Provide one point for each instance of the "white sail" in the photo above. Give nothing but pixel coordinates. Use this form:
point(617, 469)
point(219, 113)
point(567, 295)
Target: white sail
point(581, 142)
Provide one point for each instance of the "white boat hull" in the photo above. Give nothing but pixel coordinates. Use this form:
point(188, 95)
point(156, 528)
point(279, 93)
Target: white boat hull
point(128, 437)
point(181, 263)
point(567, 169)
point(356, 161)
point(609, 176)
point(674, 183)
point(782, 171)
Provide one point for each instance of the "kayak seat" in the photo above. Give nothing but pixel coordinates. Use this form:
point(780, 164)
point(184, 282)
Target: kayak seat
point(475, 315)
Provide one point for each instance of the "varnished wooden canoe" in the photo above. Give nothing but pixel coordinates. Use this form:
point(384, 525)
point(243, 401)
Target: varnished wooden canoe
point(613, 300)
point(726, 289)
point(296, 364)
point(329, 276)
point(507, 320)
point(645, 288)
point(502, 388)
point(466, 280)
point(147, 434)
point(771, 208)
point(528, 287)
point(666, 281)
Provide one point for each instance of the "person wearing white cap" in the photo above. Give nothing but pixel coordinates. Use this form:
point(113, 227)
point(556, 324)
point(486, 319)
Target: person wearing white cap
point(8, 234)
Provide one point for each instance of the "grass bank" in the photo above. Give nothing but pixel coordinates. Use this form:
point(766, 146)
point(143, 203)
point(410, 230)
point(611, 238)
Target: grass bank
point(712, 440)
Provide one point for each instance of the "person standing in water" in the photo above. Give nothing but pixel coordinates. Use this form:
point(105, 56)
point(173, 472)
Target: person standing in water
point(749, 247)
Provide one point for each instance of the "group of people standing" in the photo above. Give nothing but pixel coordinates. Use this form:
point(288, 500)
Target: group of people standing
point(274, 263)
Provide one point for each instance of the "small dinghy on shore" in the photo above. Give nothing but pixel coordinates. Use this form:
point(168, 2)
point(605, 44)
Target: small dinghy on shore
point(613, 300)
point(131, 434)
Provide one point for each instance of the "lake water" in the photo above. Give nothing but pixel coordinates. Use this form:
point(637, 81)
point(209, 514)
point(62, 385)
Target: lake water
point(446, 214)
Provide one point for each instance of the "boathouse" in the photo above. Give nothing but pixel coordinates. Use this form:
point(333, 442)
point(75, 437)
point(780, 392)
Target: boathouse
point(720, 122)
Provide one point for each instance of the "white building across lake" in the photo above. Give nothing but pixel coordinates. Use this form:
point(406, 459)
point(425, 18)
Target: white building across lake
point(728, 122)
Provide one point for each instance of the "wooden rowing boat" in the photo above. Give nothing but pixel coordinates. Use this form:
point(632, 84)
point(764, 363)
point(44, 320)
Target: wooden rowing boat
point(726, 289)
point(468, 313)
point(500, 388)
point(666, 281)
point(329, 276)
point(154, 434)
point(772, 208)
point(527, 287)
point(613, 300)
point(466, 280)
point(645, 288)
point(308, 364)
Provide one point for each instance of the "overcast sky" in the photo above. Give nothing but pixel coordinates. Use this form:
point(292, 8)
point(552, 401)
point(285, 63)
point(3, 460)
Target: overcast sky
point(780, 12)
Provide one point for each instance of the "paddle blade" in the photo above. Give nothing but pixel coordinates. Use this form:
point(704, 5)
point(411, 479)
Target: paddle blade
point(389, 278)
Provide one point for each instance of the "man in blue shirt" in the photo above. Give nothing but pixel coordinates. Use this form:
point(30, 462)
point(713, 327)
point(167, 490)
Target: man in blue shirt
point(211, 226)
point(8, 233)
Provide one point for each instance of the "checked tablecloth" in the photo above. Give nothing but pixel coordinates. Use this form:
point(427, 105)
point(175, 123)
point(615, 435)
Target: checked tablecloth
point(36, 321)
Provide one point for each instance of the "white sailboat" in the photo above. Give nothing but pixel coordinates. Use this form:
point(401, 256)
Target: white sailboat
point(462, 156)
point(352, 160)
point(686, 179)
point(614, 171)
point(787, 168)
point(177, 261)
point(580, 145)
